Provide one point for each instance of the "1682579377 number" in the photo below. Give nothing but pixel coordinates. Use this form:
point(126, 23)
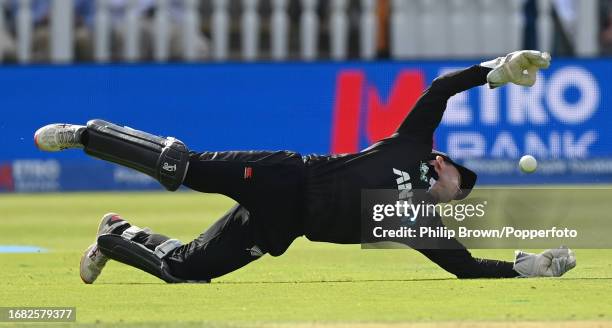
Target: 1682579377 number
point(41, 314)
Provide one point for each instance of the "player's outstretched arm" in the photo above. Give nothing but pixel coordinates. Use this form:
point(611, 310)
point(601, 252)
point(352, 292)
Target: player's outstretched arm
point(519, 67)
point(427, 113)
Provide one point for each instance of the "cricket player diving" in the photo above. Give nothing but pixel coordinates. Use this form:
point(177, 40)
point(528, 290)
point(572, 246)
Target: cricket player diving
point(282, 195)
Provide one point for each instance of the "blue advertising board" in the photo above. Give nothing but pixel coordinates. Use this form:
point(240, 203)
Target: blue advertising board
point(307, 107)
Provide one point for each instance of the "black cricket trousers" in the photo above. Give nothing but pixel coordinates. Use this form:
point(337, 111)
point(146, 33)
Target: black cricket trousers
point(267, 219)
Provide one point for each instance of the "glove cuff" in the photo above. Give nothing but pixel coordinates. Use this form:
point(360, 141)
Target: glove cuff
point(497, 76)
point(523, 263)
point(493, 63)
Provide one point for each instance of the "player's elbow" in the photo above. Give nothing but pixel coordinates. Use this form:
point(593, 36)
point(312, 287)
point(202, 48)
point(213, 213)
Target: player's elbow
point(440, 83)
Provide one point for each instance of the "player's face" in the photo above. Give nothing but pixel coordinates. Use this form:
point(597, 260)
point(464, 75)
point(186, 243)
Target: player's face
point(446, 187)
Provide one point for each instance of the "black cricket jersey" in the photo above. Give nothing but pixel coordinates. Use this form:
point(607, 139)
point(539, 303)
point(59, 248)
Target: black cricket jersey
point(334, 183)
point(283, 195)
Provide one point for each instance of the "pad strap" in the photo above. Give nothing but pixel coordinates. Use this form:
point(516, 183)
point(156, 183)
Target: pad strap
point(133, 231)
point(162, 250)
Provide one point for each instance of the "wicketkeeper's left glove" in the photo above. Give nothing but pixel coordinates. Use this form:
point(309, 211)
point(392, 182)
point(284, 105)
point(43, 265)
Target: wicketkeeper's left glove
point(519, 67)
point(550, 263)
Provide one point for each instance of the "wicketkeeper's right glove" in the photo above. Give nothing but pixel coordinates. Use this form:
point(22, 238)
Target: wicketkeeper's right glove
point(550, 263)
point(519, 67)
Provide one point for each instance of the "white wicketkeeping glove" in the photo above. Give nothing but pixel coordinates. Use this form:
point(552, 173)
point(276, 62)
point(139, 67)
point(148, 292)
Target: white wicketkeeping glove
point(550, 263)
point(519, 67)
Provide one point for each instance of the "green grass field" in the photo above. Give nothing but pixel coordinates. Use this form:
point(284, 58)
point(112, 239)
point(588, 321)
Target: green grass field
point(312, 285)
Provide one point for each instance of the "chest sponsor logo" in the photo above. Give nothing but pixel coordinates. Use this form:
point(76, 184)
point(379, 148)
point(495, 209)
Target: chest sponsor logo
point(403, 184)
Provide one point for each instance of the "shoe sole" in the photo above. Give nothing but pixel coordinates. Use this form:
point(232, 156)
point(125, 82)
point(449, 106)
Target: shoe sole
point(81, 264)
point(102, 221)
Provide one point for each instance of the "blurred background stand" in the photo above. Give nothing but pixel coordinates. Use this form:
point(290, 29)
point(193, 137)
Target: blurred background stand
point(64, 31)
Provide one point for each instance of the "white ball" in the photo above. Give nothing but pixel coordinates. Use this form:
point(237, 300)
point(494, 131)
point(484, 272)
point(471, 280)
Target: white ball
point(528, 164)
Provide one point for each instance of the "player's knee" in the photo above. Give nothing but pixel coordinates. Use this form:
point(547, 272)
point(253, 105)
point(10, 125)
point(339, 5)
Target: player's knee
point(184, 264)
point(187, 270)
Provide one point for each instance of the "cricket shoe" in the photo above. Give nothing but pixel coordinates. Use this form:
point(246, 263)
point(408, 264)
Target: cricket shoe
point(56, 137)
point(93, 261)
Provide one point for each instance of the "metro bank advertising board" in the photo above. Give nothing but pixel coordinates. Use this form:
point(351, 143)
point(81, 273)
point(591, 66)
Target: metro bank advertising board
point(308, 107)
